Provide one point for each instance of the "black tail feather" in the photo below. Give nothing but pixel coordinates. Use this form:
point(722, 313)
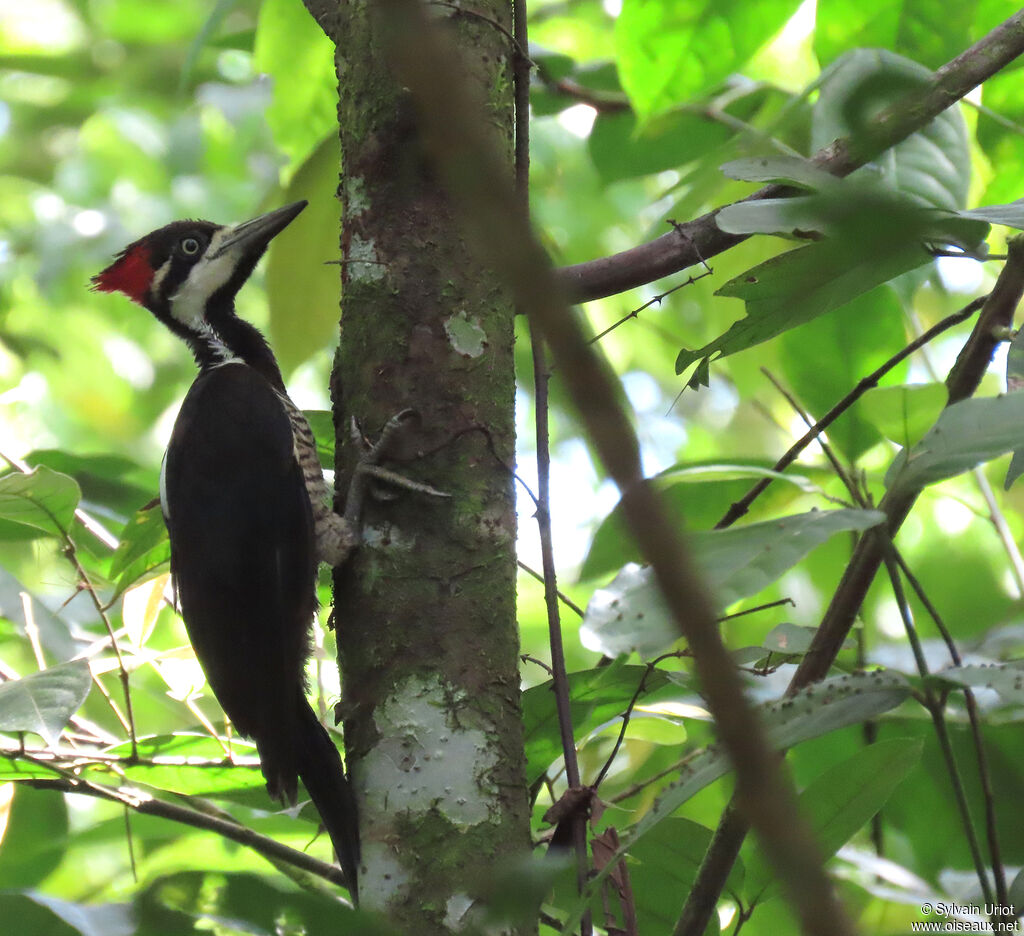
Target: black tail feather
point(322, 773)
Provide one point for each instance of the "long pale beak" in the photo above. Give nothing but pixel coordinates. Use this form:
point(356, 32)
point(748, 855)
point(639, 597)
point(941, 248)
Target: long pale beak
point(254, 235)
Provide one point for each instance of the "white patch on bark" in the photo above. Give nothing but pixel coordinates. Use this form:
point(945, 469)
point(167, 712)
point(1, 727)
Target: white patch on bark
point(356, 201)
point(363, 262)
point(455, 911)
point(465, 334)
point(426, 762)
point(382, 879)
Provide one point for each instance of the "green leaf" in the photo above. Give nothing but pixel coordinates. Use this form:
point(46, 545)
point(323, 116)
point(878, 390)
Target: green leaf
point(43, 702)
point(904, 414)
point(1007, 679)
point(1014, 383)
point(824, 358)
point(596, 696)
point(36, 836)
point(630, 615)
point(189, 764)
point(669, 856)
point(295, 52)
point(37, 914)
point(143, 552)
point(691, 495)
point(304, 321)
point(843, 799)
point(786, 170)
point(53, 627)
point(932, 166)
point(800, 285)
point(966, 434)
point(671, 52)
point(43, 498)
point(822, 708)
point(1010, 215)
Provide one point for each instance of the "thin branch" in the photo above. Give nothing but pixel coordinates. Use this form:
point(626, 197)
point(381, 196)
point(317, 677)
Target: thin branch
point(626, 715)
point(143, 803)
point(562, 597)
point(671, 253)
point(974, 719)
point(936, 708)
point(71, 553)
point(657, 299)
point(740, 507)
point(541, 378)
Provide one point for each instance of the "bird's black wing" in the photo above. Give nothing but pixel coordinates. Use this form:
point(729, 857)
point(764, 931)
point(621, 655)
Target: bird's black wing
point(243, 556)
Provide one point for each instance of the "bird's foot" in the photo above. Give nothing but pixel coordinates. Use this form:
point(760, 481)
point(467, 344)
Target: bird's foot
point(368, 469)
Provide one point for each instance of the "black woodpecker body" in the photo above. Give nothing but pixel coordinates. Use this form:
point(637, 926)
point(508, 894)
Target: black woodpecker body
point(246, 507)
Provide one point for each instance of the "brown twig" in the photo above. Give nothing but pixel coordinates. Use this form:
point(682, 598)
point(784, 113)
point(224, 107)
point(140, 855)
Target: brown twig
point(689, 281)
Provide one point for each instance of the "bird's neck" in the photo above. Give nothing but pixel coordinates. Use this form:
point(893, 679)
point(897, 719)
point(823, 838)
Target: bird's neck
point(225, 338)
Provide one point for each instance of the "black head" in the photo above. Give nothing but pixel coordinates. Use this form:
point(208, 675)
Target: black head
point(188, 272)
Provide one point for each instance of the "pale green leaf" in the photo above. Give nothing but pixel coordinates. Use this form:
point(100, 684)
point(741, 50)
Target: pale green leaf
point(966, 434)
point(43, 702)
point(630, 615)
point(43, 498)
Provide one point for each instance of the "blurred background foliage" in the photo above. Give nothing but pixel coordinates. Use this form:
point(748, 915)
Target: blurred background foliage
point(117, 116)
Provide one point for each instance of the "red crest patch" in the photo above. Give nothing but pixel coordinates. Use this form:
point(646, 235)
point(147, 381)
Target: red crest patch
point(131, 273)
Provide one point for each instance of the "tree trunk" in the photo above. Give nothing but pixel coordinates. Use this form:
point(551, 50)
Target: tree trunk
point(425, 612)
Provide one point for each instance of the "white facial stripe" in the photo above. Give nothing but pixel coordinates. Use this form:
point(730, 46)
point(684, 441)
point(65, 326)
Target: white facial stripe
point(188, 304)
point(159, 276)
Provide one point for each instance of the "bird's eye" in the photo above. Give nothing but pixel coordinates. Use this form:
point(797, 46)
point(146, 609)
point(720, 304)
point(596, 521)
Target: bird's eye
point(190, 246)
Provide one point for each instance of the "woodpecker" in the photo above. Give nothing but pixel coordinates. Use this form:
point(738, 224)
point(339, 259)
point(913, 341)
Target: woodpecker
point(246, 506)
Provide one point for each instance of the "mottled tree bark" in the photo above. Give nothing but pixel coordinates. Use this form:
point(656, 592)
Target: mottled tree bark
point(426, 610)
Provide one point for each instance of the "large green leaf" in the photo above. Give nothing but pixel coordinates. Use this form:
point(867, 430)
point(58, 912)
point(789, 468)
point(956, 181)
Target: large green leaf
point(817, 710)
point(693, 496)
point(822, 360)
point(43, 702)
point(293, 49)
point(843, 799)
point(43, 498)
point(800, 285)
point(33, 843)
point(875, 222)
point(905, 413)
point(669, 856)
point(933, 165)
point(671, 52)
point(966, 434)
point(630, 615)
point(304, 319)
